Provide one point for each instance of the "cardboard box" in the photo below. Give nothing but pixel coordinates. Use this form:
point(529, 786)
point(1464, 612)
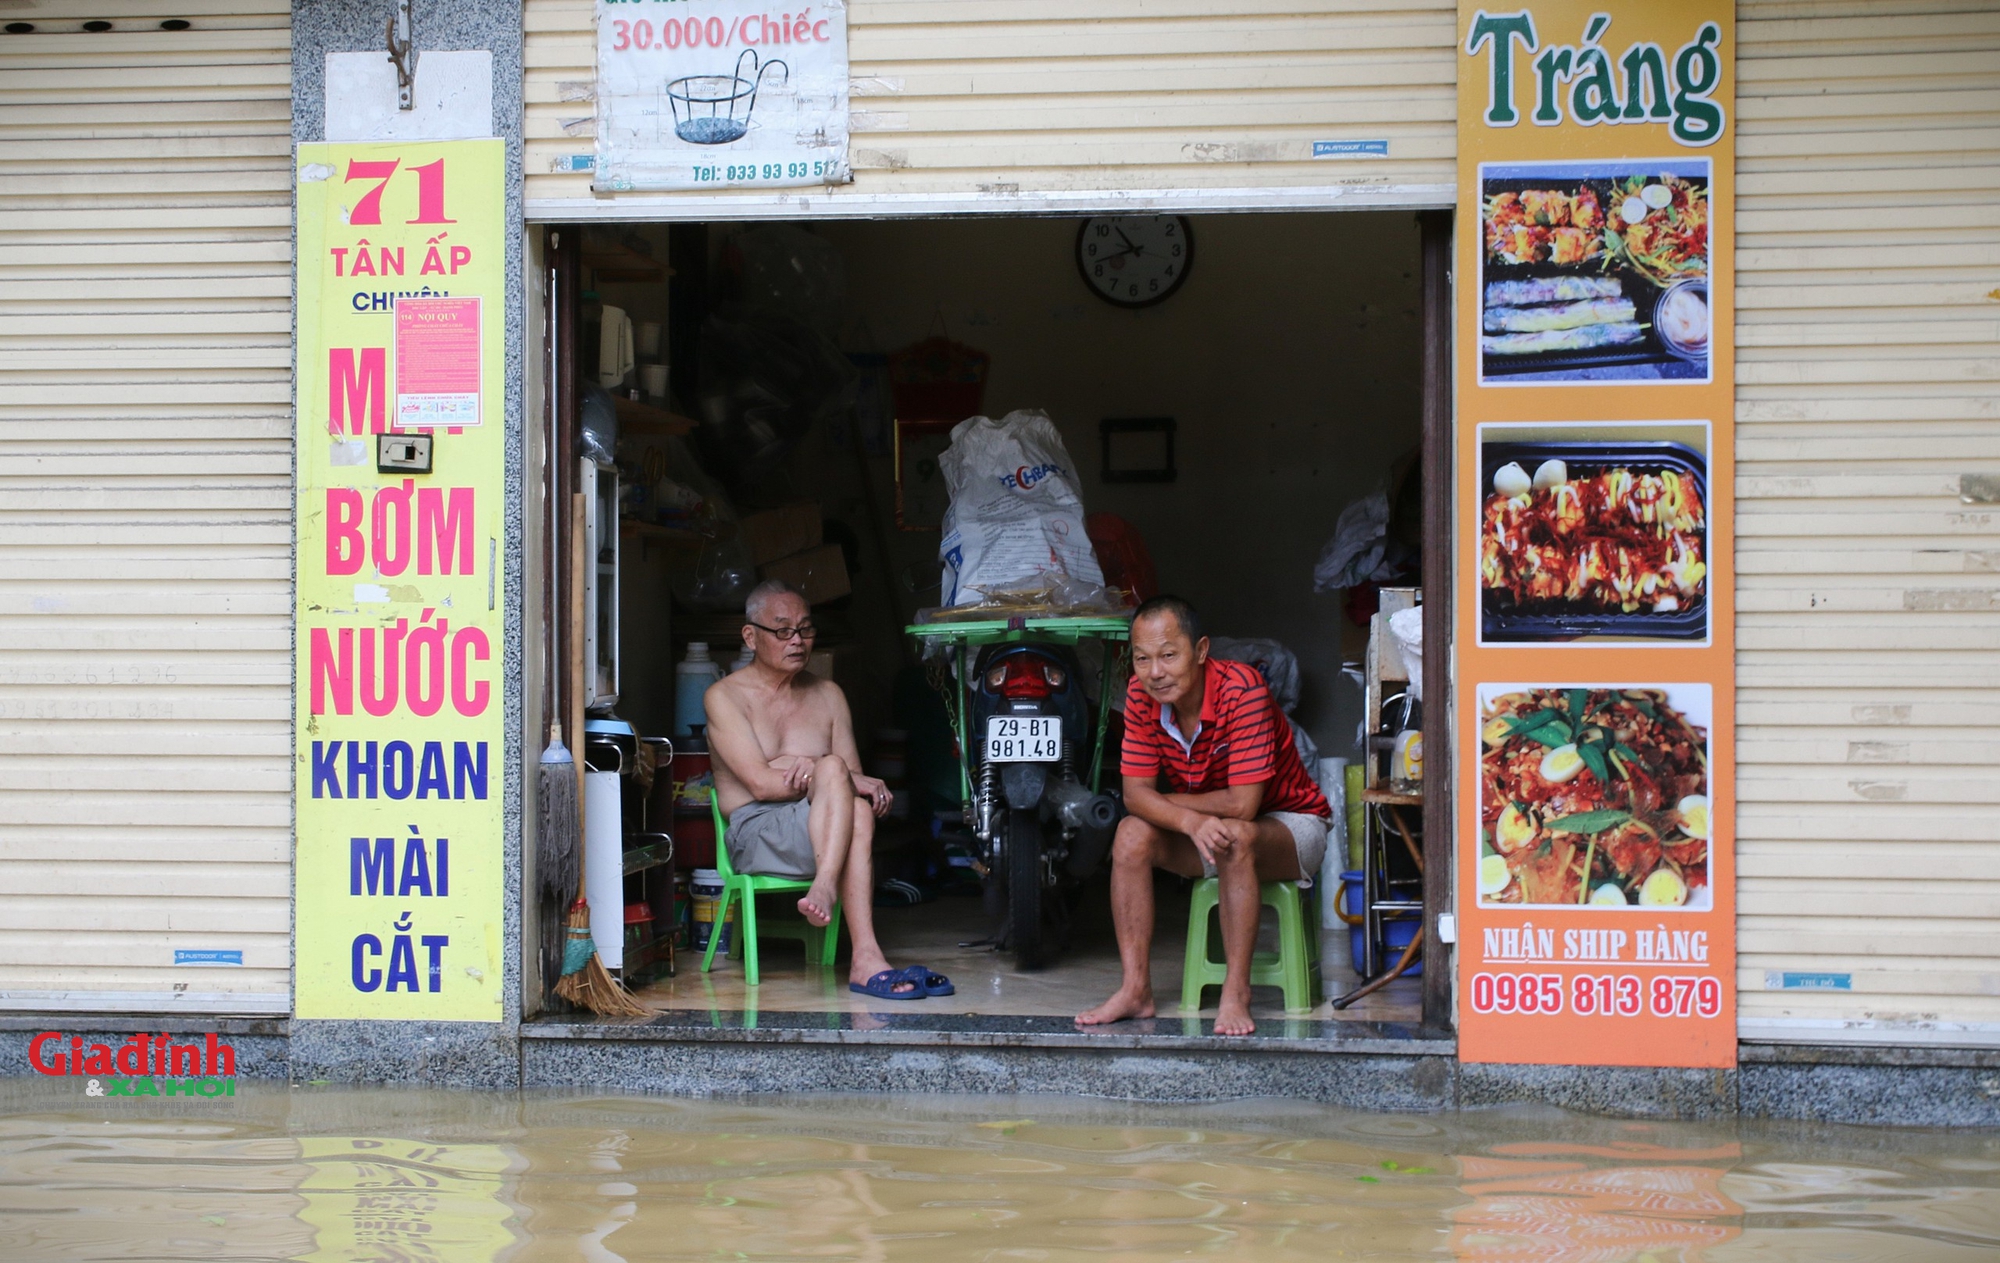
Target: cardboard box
point(820, 573)
point(778, 533)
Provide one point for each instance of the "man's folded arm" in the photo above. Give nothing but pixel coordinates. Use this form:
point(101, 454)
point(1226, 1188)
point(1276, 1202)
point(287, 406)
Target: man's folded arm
point(1238, 802)
point(731, 740)
point(1184, 813)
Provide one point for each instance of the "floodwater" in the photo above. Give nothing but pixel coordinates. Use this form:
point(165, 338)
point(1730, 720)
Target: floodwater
point(327, 1173)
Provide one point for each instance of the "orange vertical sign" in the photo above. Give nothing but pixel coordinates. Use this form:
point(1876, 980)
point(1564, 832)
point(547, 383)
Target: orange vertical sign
point(1595, 616)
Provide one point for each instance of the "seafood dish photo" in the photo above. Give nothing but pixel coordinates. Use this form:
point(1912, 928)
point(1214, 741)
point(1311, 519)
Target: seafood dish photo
point(1594, 797)
point(1580, 539)
point(1586, 268)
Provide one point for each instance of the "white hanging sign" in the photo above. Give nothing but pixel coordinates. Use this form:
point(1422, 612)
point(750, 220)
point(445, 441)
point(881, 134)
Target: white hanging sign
point(713, 94)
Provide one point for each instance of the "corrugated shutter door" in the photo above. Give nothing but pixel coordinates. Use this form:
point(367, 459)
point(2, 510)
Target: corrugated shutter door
point(1868, 400)
point(1037, 97)
point(145, 507)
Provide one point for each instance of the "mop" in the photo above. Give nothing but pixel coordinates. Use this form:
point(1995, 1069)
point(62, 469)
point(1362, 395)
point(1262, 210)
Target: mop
point(584, 980)
point(556, 831)
point(557, 843)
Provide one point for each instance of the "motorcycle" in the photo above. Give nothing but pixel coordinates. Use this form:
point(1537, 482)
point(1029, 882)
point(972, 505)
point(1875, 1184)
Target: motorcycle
point(1031, 763)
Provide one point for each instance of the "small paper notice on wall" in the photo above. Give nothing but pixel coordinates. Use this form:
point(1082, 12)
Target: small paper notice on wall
point(437, 362)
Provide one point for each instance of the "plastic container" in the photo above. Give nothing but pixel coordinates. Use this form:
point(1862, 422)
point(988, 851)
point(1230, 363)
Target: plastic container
point(693, 791)
point(743, 659)
point(1502, 622)
point(1406, 762)
point(1398, 932)
point(638, 927)
point(692, 676)
point(705, 896)
point(694, 837)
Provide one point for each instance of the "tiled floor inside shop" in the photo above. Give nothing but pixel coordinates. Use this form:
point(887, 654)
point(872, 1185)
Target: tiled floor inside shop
point(988, 984)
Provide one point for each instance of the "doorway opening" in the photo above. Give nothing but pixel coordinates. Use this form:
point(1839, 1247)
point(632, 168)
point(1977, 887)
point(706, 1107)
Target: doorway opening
point(1269, 437)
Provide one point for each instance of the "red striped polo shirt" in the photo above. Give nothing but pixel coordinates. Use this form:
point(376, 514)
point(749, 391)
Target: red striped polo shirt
point(1243, 739)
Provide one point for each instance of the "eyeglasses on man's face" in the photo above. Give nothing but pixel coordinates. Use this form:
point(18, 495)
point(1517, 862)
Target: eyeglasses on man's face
point(804, 631)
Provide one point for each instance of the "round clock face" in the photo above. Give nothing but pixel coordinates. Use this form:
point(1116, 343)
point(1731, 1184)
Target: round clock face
point(1134, 260)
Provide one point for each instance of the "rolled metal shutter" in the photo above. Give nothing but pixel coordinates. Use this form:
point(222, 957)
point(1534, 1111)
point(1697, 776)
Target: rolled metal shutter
point(1011, 108)
point(145, 508)
point(1868, 537)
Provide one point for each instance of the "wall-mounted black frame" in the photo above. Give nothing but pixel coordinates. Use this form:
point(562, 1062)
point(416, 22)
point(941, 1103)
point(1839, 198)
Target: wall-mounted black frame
point(1108, 471)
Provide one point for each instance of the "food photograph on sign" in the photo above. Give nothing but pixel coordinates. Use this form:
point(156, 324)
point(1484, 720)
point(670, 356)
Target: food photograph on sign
point(1593, 532)
point(1595, 796)
point(1595, 271)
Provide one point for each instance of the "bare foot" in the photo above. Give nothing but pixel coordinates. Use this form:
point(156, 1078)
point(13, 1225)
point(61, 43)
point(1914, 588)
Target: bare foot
point(1232, 1016)
point(1127, 1002)
point(817, 906)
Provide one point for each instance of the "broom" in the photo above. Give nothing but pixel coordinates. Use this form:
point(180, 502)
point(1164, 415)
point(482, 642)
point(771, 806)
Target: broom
point(584, 980)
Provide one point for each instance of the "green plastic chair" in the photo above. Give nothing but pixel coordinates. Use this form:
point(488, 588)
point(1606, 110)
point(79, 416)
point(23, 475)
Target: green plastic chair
point(1294, 966)
point(744, 888)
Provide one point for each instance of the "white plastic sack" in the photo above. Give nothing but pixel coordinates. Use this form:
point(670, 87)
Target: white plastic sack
point(1406, 631)
point(1016, 517)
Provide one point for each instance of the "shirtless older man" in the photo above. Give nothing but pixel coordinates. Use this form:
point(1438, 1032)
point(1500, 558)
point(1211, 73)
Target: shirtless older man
point(789, 779)
point(1216, 788)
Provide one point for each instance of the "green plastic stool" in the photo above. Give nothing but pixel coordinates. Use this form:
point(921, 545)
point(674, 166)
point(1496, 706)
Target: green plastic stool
point(1294, 966)
point(744, 888)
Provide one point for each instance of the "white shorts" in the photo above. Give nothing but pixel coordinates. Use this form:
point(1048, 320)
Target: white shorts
point(1308, 834)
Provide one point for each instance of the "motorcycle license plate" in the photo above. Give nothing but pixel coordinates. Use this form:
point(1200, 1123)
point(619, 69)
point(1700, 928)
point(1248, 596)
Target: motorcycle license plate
point(1023, 739)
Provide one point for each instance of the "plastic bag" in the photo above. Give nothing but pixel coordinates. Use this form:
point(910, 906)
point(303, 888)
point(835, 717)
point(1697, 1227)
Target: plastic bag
point(1015, 522)
point(1406, 632)
point(1361, 550)
point(1278, 665)
point(1302, 740)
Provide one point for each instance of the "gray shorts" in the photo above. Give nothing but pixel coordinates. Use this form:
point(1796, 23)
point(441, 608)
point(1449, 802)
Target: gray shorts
point(770, 840)
point(1308, 834)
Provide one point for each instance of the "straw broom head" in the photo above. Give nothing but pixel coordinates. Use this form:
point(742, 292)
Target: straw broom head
point(584, 980)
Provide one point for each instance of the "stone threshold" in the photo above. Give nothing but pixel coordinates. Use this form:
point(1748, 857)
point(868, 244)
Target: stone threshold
point(907, 1030)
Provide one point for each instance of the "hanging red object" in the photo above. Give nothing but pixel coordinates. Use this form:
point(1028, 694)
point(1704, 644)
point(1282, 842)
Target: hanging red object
point(1121, 552)
point(938, 380)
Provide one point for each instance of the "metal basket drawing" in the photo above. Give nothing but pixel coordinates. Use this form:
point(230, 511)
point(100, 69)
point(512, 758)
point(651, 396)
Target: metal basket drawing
point(715, 109)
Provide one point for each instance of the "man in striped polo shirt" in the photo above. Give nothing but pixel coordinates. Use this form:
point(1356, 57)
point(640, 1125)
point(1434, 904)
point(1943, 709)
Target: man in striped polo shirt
point(1215, 788)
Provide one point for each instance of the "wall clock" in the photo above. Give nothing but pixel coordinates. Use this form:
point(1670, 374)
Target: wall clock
point(1134, 260)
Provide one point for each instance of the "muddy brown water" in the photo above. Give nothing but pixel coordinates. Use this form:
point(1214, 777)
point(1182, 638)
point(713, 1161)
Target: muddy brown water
point(334, 1174)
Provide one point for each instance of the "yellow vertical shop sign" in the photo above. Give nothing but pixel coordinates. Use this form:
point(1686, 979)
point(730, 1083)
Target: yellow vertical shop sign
point(1595, 638)
point(401, 288)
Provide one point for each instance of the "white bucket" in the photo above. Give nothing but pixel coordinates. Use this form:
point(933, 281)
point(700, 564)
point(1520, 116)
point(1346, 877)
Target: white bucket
point(705, 893)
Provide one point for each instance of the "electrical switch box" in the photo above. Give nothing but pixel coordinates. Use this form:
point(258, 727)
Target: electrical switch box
point(403, 453)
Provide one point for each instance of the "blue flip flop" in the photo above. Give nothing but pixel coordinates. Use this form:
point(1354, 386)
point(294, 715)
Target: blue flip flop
point(883, 986)
point(931, 984)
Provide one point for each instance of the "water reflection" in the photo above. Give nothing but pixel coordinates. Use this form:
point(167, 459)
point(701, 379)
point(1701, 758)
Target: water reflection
point(328, 1174)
